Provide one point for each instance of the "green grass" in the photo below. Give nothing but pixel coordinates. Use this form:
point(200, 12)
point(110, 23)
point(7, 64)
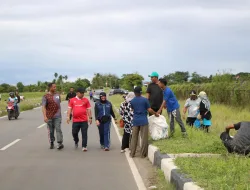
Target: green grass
point(162, 183)
point(227, 173)
point(32, 100)
point(198, 141)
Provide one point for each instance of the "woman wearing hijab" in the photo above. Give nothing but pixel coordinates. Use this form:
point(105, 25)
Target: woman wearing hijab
point(126, 113)
point(205, 112)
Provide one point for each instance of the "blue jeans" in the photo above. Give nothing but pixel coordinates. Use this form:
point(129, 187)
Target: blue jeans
point(52, 125)
point(104, 132)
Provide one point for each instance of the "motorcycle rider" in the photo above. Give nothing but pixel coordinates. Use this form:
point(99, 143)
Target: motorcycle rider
point(13, 99)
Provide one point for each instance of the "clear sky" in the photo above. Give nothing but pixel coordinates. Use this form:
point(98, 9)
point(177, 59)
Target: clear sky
point(81, 37)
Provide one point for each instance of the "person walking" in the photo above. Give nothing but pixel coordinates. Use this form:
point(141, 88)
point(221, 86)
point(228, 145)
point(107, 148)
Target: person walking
point(51, 109)
point(141, 107)
point(103, 113)
point(154, 93)
point(70, 95)
point(126, 113)
point(82, 115)
point(173, 108)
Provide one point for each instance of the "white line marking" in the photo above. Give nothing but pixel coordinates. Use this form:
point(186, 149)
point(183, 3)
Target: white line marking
point(138, 179)
point(3, 117)
point(37, 108)
point(41, 126)
point(11, 144)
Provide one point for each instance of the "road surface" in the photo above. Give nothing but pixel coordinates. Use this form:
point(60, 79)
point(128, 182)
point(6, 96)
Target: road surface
point(27, 163)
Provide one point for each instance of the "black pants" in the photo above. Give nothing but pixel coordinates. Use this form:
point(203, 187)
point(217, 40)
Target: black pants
point(125, 140)
point(84, 129)
point(190, 121)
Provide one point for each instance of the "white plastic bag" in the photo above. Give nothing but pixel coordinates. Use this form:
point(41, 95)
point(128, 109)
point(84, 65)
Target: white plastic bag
point(158, 127)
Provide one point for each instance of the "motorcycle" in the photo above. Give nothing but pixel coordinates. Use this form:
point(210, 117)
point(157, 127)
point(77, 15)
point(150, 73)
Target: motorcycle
point(12, 111)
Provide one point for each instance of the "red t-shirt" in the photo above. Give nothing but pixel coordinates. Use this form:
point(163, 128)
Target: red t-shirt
point(79, 108)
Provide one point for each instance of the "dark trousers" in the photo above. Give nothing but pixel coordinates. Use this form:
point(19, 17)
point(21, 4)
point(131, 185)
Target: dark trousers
point(104, 133)
point(125, 140)
point(190, 121)
point(84, 129)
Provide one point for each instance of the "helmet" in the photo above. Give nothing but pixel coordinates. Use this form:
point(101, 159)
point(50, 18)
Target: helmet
point(202, 93)
point(11, 93)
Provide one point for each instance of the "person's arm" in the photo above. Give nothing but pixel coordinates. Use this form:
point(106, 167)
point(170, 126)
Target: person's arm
point(112, 112)
point(148, 92)
point(67, 97)
point(186, 107)
point(96, 115)
point(89, 111)
point(233, 126)
point(162, 106)
point(44, 103)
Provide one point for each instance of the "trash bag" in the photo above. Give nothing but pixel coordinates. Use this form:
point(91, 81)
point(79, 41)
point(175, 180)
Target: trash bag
point(158, 127)
point(197, 123)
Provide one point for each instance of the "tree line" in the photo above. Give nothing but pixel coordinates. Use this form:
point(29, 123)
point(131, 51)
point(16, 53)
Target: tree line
point(126, 81)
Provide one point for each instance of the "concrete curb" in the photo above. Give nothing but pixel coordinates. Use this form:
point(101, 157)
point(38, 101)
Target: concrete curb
point(171, 171)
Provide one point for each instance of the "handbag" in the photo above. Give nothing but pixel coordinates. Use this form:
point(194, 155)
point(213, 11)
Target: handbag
point(121, 123)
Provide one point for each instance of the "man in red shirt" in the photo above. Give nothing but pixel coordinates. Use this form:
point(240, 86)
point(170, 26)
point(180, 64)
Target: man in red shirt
point(81, 109)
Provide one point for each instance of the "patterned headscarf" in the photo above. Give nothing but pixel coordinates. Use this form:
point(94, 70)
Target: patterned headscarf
point(130, 96)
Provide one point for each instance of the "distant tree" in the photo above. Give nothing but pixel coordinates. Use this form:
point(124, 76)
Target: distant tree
point(20, 86)
point(177, 77)
point(197, 78)
point(128, 81)
point(55, 75)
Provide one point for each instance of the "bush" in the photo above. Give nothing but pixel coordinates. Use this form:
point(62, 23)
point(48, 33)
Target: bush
point(228, 93)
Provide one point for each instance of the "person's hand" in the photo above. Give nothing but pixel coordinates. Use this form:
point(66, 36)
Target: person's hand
point(157, 114)
point(97, 122)
point(90, 121)
point(46, 119)
point(68, 120)
point(183, 116)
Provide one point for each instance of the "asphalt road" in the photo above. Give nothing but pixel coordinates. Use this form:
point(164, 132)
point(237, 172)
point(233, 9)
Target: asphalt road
point(31, 165)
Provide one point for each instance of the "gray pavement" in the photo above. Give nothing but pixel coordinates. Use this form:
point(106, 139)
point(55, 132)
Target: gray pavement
point(31, 165)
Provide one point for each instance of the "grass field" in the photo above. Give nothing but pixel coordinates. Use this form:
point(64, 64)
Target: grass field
point(32, 99)
point(226, 172)
point(199, 141)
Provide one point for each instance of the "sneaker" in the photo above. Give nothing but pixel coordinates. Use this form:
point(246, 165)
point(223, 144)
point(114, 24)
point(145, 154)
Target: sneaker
point(52, 146)
point(60, 146)
point(106, 149)
point(84, 149)
point(122, 151)
point(76, 145)
point(184, 134)
point(102, 146)
point(171, 134)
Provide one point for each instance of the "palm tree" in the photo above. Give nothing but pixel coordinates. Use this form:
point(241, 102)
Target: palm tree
point(65, 77)
point(56, 75)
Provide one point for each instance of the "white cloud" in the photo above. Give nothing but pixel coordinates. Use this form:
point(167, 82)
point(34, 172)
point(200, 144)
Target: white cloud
point(80, 38)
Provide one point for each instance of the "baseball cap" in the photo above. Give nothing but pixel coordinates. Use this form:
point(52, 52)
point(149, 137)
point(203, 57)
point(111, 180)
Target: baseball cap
point(138, 90)
point(102, 94)
point(154, 74)
point(81, 90)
